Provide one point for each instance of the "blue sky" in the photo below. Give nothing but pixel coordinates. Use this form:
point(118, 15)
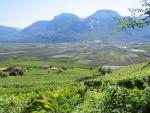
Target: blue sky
point(21, 13)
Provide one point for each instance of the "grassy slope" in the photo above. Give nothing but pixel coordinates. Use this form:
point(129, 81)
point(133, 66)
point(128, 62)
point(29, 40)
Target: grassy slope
point(129, 72)
point(18, 92)
point(126, 90)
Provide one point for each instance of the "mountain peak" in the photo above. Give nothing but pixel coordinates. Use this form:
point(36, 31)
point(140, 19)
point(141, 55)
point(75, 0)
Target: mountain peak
point(68, 14)
point(105, 13)
point(68, 27)
point(65, 16)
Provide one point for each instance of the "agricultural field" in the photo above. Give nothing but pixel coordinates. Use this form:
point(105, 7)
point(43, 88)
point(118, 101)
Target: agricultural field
point(38, 81)
point(17, 91)
point(78, 89)
point(92, 53)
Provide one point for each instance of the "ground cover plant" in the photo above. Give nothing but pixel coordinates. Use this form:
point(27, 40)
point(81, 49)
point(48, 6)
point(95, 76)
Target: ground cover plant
point(77, 89)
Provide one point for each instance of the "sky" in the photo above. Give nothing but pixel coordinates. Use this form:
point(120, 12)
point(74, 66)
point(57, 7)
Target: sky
point(21, 13)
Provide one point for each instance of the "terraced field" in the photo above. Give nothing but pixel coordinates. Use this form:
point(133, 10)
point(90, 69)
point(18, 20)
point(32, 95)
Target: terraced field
point(93, 53)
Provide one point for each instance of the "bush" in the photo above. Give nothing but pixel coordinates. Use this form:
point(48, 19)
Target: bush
point(115, 99)
point(139, 84)
point(109, 70)
point(64, 68)
point(15, 72)
point(126, 83)
point(100, 69)
point(62, 100)
point(133, 83)
point(104, 71)
point(3, 75)
point(93, 84)
point(91, 68)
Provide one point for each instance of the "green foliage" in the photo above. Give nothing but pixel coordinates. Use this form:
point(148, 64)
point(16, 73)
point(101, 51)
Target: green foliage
point(115, 99)
point(15, 72)
point(102, 71)
point(19, 92)
point(62, 100)
point(128, 22)
point(109, 70)
point(3, 75)
point(125, 90)
point(133, 21)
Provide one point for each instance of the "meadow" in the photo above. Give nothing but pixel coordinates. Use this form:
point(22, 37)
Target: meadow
point(84, 85)
point(17, 91)
point(78, 89)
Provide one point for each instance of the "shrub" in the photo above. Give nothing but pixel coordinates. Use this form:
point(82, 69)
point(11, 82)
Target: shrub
point(115, 99)
point(139, 84)
point(126, 83)
point(133, 83)
point(109, 70)
point(15, 72)
point(93, 83)
point(3, 75)
point(62, 100)
point(64, 68)
point(91, 68)
point(102, 71)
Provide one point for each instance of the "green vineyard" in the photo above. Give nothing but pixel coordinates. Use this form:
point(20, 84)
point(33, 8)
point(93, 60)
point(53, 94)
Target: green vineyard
point(77, 89)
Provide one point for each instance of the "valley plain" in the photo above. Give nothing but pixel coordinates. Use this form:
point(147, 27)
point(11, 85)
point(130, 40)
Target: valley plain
point(90, 52)
point(75, 78)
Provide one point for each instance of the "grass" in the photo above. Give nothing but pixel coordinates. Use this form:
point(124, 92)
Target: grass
point(20, 90)
point(39, 78)
point(43, 92)
point(35, 63)
point(129, 72)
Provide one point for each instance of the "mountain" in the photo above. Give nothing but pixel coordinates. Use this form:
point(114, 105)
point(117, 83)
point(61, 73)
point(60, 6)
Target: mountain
point(4, 30)
point(68, 27)
point(6, 33)
point(63, 28)
point(102, 24)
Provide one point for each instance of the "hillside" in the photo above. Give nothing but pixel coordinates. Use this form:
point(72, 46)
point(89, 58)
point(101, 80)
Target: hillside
point(68, 27)
point(78, 89)
point(7, 33)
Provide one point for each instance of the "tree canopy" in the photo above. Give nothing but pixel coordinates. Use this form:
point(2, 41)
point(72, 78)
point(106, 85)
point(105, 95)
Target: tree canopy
point(140, 17)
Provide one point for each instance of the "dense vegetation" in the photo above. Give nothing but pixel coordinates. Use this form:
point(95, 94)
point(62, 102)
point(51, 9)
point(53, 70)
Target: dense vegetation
point(78, 89)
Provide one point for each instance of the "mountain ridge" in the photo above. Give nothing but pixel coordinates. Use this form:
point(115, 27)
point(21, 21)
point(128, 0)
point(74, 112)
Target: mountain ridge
point(68, 27)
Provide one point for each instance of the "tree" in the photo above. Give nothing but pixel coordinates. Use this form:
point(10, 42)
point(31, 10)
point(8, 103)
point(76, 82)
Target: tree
point(109, 70)
point(140, 17)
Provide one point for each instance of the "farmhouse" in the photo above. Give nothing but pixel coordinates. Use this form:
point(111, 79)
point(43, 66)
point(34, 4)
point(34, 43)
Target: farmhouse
point(54, 69)
point(51, 68)
point(12, 71)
